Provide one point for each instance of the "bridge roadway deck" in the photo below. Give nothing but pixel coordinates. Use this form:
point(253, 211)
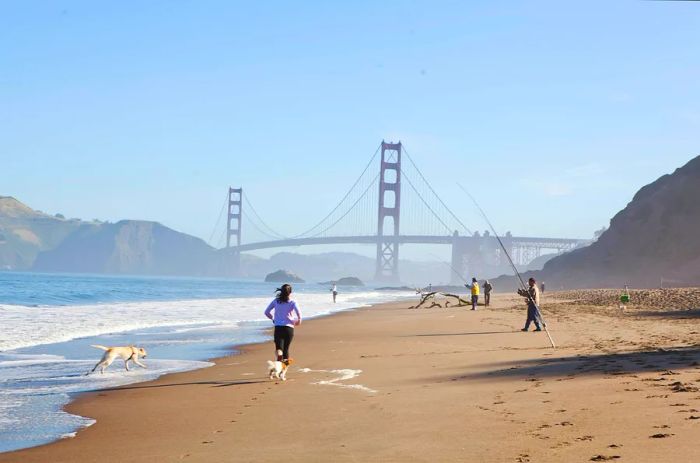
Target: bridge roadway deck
point(406, 239)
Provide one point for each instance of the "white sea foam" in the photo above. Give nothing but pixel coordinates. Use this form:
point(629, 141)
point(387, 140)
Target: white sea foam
point(343, 375)
point(25, 326)
point(34, 388)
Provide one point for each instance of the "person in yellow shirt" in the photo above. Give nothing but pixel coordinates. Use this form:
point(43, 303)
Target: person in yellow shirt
point(475, 293)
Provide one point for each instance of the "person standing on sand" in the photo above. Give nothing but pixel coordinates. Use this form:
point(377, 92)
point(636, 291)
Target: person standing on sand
point(487, 293)
point(542, 287)
point(334, 290)
point(285, 315)
point(533, 303)
point(475, 293)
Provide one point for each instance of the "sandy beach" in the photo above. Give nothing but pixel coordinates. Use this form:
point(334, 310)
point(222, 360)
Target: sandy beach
point(388, 383)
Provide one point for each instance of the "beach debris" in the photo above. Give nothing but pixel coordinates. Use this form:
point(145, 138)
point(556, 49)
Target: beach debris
point(425, 297)
point(604, 457)
point(680, 387)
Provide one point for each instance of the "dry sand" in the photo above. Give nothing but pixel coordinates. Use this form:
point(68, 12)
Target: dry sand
point(428, 385)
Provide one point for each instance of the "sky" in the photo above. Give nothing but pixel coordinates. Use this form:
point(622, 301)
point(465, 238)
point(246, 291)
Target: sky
point(553, 114)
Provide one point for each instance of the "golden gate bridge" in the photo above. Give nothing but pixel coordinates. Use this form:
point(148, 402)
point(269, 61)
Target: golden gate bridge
point(387, 209)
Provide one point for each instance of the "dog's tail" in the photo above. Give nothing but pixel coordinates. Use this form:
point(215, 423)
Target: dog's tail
point(271, 364)
point(97, 346)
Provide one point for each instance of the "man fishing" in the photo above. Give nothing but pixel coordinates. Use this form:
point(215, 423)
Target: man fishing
point(532, 295)
point(475, 293)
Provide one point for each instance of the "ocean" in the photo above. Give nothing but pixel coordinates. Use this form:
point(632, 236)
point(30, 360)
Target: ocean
point(48, 321)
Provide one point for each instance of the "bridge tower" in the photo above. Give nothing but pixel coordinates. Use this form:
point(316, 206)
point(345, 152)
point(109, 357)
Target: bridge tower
point(235, 212)
point(389, 208)
point(235, 216)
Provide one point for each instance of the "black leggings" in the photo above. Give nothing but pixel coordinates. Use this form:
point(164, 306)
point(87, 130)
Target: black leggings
point(283, 338)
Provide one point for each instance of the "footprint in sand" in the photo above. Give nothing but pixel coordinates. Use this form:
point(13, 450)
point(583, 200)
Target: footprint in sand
point(660, 436)
point(605, 457)
point(207, 442)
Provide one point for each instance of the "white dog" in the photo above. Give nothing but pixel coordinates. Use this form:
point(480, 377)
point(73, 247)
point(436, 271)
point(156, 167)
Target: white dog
point(128, 354)
point(278, 368)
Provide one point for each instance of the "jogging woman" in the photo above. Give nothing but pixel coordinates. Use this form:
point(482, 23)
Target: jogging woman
point(285, 315)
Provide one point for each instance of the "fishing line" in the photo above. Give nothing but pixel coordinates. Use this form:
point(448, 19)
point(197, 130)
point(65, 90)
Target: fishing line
point(453, 269)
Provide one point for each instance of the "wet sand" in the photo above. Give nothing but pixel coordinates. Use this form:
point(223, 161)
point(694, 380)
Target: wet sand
point(388, 383)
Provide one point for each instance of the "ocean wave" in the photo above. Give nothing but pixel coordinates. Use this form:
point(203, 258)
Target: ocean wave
point(28, 326)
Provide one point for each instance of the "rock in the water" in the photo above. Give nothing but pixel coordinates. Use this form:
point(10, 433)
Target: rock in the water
point(349, 281)
point(283, 276)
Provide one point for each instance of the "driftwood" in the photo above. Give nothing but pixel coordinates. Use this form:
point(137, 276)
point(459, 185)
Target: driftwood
point(431, 295)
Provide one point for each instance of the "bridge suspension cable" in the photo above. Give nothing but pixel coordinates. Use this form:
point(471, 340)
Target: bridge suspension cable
point(410, 183)
point(218, 221)
point(340, 203)
point(373, 183)
point(434, 193)
point(272, 233)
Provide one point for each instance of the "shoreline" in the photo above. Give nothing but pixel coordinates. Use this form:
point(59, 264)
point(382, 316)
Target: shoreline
point(81, 402)
point(426, 385)
point(31, 389)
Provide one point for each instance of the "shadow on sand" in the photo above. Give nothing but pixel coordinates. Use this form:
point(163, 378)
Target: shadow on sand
point(194, 383)
point(627, 363)
point(458, 334)
point(674, 314)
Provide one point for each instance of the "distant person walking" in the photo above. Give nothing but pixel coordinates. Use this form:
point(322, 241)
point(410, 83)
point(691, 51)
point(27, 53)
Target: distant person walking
point(532, 295)
point(334, 290)
point(475, 293)
point(285, 315)
point(487, 293)
point(542, 287)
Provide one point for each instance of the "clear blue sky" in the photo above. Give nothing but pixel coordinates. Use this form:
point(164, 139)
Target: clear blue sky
point(150, 110)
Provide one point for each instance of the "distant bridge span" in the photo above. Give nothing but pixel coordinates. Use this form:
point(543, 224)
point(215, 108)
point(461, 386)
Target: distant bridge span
point(561, 244)
point(471, 252)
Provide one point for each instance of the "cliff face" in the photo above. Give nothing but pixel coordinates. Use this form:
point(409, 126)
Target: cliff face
point(657, 236)
point(25, 232)
point(128, 247)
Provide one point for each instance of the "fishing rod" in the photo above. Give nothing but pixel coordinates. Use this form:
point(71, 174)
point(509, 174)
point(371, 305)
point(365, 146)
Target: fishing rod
point(512, 264)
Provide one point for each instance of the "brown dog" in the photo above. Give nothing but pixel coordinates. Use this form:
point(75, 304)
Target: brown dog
point(278, 368)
